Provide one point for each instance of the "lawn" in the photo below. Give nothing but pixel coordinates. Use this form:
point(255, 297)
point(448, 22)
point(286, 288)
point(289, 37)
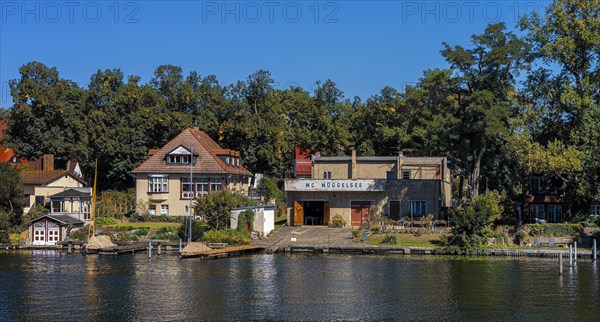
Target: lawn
point(425, 240)
point(150, 225)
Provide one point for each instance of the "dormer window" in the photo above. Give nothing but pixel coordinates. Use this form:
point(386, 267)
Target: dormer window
point(179, 156)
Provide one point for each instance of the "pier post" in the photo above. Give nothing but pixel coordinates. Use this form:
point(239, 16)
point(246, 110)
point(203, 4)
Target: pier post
point(180, 249)
point(159, 246)
point(570, 255)
point(575, 252)
point(594, 250)
point(70, 248)
point(560, 264)
point(149, 249)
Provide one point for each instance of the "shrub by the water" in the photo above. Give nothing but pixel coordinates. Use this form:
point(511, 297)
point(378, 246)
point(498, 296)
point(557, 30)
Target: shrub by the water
point(389, 239)
point(555, 230)
point(337, 222)
point(227, 235)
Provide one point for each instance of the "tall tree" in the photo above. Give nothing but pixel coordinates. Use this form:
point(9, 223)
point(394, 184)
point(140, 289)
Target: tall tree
point(487, 73)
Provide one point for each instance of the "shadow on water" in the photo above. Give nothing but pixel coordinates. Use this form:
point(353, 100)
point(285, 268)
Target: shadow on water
point(50, 285)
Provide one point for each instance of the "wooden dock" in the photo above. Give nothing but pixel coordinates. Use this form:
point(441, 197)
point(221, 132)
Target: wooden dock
point(221, 252)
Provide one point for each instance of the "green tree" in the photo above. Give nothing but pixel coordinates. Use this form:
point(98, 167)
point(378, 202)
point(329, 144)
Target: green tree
point(469, 224)
point(486, 75)
point(215, 208)
point(12, 199)
point(46, 116)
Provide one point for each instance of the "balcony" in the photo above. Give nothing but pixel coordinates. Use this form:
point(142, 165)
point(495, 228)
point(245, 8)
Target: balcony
point(192, 195)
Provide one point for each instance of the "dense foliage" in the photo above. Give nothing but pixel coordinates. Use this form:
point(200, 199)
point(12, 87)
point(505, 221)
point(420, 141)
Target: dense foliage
point(215, 208)
point(506, 107)
point(469, 225)
point(11, 194)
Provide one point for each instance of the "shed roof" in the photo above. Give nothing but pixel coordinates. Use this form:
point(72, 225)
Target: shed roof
point(63, 219)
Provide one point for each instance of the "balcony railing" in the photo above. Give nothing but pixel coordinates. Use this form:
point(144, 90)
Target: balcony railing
point(191, 194)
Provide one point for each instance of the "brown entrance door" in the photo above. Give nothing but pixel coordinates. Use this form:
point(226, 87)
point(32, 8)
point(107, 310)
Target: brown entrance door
point(298, 213)
point(395, 210)
point(326, 213)
point(360, 211)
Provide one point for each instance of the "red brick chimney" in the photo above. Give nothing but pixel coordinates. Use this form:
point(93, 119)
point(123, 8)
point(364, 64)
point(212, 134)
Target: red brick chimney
point(48, 162)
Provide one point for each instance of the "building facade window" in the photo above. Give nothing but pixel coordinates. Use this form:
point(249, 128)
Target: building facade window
point(405, 175)
point(536, 212)
point(201, 185)
point(158, 184)
point(555, 213)
point(164, 210)
point(536, 184)
point(216, 184)
point(39, 200)
point(178, 159)
point(595, 211)
point(327, 175)
point(418, 208)
point(391, 175)
point(152, 210)
point(57, 206)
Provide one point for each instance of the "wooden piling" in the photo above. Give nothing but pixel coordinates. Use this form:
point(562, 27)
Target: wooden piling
point(560, 264)
point(570, 255)
point(149, 249)
point(575, 253)
point(595, 251)
point(159, 246)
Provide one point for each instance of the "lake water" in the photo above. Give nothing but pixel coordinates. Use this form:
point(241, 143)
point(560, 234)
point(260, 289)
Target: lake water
point(49, 285)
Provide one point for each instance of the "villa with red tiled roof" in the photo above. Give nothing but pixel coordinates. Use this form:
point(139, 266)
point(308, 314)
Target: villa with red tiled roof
point(163, 182)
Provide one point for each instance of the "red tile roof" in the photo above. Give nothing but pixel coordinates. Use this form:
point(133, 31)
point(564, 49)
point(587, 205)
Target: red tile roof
point(205, 149)
point(46, 176)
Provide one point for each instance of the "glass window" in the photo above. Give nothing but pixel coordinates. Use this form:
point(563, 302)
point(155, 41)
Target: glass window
point(216, 184)
point(555, 213)
point(418, 208)
point(536, 184)
point(158, 184)
point(57, 206)
point(405, 175)
point(327, 175)
point(164, 209)
point(152, 210)
point(595, 210)
point(201, 185)
point(39, 200)
point(536, 212)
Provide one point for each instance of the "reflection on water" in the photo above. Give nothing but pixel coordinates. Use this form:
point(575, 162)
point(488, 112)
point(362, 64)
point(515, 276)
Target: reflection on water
point(49, 285)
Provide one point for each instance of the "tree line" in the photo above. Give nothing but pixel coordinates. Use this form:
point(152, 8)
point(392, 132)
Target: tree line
point(508, 105)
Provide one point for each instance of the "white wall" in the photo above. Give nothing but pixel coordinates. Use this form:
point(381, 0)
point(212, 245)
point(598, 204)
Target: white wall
point(264, 218)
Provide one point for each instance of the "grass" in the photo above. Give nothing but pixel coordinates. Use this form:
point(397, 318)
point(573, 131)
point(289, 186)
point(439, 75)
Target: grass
point(150, 225)
point(425, 240)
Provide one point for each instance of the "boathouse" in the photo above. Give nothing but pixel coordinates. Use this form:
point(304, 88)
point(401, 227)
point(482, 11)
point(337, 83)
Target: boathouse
point(355, 188)
point(50, 229)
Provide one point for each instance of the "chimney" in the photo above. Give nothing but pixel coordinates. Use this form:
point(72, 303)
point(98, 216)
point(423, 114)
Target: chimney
point(48, 162)
point(152, 152)
point(353, 169)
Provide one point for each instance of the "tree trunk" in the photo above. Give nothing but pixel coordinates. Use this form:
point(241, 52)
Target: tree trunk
point(473, 169)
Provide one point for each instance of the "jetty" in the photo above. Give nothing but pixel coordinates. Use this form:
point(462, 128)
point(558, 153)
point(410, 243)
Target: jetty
point(201, 250)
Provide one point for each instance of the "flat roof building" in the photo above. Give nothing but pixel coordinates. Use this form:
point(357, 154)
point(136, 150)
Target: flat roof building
point(355, 188)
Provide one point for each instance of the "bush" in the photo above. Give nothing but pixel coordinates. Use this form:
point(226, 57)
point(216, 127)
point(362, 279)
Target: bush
point(141, 231)
point(337, 222)
point(554, 230)
point(389, 239)
point(215, 208)
point(106, 221)
point(167, 233)
point(375, 228)
point(270, 190)
point(79, 234)
point(245, 217)
point(521, 237)
point(227, 235)
point(470, 225)
point(198, 230)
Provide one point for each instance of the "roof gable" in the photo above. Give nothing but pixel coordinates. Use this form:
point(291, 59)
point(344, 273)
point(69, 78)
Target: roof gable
point(180, 150)
point(205, 152)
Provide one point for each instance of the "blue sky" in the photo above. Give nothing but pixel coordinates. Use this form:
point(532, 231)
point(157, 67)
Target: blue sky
point(361, 45)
